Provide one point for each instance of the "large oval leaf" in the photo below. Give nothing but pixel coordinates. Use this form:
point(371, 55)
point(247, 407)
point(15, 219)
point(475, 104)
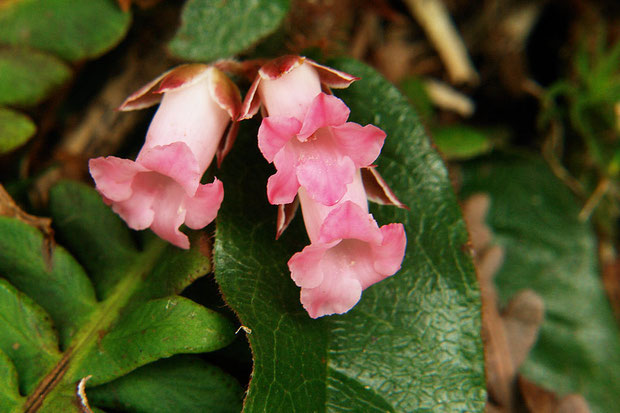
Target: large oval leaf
point(412, 343)
point(73, 30)
point(213, 29)
point(548, 249)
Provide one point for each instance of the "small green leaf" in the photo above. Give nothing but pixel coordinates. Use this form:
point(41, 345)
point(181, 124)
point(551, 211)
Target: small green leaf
point(459, 142)
point(179, 384)
point(548, 249)
point(59, 285)
point(9, 391)
point(28, 338)
point(27, 76)
point(15, 129)
point(213, 29)
point(412, 342)
point(156, 329)
point(73, 30)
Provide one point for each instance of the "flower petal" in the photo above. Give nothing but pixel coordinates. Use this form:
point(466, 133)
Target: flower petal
point(113, 176)
point(325, 177)
point(336, 295)
point(176, 161)
point(202, 208)
point(169, 215)
point(283, 185)
point(325, 110)
point(388, 256)
point(350, 221)
point(361, 143)
point(305, 266)
point(275, 132)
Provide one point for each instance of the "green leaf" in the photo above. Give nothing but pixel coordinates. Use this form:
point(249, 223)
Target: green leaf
point(9, 390)
point(104, 338)
point(460, 141)
point(15, 129)
point(73, 30)
point(58, 283)
point(27, 76)
point(213, 29)
point(548, 249)
point(181, 384)
point(156, 329)
point(28, 337)
point(412, 343)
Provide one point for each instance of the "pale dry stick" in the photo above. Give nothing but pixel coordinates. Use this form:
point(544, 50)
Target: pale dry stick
point(436, 22)
point(446, 97)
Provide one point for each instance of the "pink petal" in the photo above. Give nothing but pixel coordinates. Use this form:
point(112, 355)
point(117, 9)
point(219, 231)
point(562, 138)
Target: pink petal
point(283, 185)
point(202, 208)
point(350, 221)
point(336, 295)
point(176, 161)
point(325, 110)
point(388, 256)
point(113, 176)
point(137, 210)
point(305, 266)
point(361, 143)
point(326, 178)
point(170, 215)
point(275, 132)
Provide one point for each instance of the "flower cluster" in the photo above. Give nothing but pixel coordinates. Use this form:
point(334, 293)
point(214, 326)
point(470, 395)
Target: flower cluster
point(322, 161)
point(318, 156)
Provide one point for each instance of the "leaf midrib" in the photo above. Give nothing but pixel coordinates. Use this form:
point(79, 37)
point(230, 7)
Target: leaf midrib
point(103, 317)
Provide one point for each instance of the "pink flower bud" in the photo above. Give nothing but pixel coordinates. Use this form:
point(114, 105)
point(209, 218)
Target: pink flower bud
point(162, 188)
point(348, 252)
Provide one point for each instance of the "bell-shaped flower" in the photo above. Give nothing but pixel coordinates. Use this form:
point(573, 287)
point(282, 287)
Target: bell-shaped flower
point(161, 189)
point(348, 252)
point(306, 134)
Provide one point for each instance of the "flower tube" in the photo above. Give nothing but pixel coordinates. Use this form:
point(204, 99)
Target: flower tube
point(161, 189)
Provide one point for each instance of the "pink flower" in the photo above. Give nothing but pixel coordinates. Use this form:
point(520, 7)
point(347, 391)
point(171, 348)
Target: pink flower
point(348, 252)
point(306, 134)
point(162, 188)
